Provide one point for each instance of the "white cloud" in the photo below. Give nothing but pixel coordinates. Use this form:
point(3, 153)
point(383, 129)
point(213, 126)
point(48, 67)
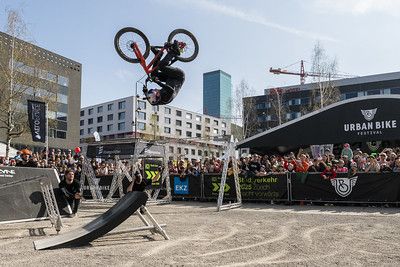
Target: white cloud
point(359, 7)
point(252, 18)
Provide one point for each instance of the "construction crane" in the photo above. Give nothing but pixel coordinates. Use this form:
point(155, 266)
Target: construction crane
point(303, 74)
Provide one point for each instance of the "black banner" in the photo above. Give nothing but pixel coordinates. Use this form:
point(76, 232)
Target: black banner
point(111, 150)
point(152, 171)
point(150, 150)
point(104, 183)
point(24, 199)
point(212, 184)
point(37, 120)
point(364, 187)
point(270, 187)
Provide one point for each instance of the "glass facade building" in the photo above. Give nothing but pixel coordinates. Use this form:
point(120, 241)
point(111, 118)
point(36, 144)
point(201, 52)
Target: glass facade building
point(217, 94)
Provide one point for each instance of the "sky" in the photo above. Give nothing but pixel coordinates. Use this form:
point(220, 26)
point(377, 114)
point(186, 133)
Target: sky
point(241, 37)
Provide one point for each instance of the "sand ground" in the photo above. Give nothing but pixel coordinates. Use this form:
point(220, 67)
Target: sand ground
point(255, 235)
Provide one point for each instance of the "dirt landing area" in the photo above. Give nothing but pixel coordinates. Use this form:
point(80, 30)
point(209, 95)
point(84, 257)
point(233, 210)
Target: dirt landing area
point(256, 235)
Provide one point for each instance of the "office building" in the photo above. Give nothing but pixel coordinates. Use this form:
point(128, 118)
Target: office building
point(188, 134)
point(39, 73)
point(217, 94)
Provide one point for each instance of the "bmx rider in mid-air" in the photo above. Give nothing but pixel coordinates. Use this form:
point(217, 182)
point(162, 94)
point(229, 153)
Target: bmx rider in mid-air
point(169, 78)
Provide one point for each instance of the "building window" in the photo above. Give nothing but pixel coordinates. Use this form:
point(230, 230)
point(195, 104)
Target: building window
point(121, 126)
point(90, 121)
point(62, 98)
point(199, 152)
point(90, 111)
point(167, 130)
point(216, 122)
point(188, 134)
point(141, 126)
point(121, 116)
point(82, 122)
point(223, 124)
point(179, 150)
point(121, 105)
point(193, 152)
point(188, 116)
point(373, 92)
point(179, 113)
point(141, 105)
point(89, 130)
point(99, 119)
point(167, 120)
point(110, 107)
point(167, 110)
point(178, 123)
point(208, 129)
point(198, 127)
point(186, 151)
point(109, 127)
point(99, 129)
point(207, 120)
point(61, 135)
point(215, 131)
point(81, 132)
point(64, 81)
point(178, 132)
point(171, 149)
point(82, 113)
point(110, 117)
point(198, 118)
point(223, 132)
point(189, 125)
point(198, 135)
point(141, 115)
point(100, 109)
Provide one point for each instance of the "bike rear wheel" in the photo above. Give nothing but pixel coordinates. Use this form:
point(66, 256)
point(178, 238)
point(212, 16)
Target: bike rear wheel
point(191, 48)
point(123, 43)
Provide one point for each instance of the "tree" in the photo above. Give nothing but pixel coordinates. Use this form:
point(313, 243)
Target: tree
point(326, 69)
point(22, 77)
point(244, 111)
point(276, 97)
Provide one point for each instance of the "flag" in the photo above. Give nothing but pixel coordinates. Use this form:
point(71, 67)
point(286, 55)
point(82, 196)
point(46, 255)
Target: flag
point(37, 120)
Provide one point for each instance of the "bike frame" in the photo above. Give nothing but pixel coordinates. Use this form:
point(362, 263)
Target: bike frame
point(150, 68)
point(147, 68)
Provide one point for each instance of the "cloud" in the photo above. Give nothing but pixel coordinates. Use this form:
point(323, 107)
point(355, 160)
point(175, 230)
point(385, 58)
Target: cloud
point(359, 7)
point(252, 18)
point(124, 75)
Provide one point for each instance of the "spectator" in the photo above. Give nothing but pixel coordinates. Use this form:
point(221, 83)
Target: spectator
point(26, 159)
point(328, 173)
point(70, 189)
point(396, 167)
point(347, 151)
point(341, 167)
point(302, 164)
point(372, 165)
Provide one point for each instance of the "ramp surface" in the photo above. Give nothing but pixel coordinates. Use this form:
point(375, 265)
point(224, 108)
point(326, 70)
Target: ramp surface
point(121, 211)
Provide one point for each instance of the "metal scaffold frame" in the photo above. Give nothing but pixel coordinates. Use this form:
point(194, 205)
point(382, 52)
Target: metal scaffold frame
point(229, 153)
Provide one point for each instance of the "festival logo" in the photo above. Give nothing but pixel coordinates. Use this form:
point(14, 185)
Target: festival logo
point(369, 114)
point(344, 186)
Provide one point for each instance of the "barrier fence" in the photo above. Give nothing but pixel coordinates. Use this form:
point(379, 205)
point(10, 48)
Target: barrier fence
point(362, 188)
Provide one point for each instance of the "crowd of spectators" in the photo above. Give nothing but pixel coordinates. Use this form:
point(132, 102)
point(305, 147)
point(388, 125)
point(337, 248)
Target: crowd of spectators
point(328, 164)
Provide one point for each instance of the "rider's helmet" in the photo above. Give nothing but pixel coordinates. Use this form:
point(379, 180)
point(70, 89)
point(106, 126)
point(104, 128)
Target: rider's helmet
point(153, 95)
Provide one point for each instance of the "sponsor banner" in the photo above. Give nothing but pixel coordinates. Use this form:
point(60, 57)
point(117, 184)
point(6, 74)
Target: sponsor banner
point(24, 199)
point(363, 187)
point(152, 171)
point(212, 184)
point(270, 187)
point(188, 186)
point(181, 185)
point(123, 150)
point(37, 120)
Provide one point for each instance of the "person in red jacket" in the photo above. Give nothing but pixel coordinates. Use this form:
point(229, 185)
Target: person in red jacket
point(329, 172)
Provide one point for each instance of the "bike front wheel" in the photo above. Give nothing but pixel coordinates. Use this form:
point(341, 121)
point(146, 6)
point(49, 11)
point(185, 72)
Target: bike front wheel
point(124, 41)
point(190, 46)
